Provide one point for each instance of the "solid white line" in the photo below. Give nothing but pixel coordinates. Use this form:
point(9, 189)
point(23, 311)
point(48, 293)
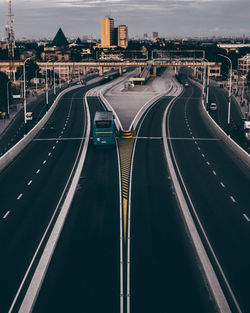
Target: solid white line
point(232, 198)
point(30, 182)
point(42, 267)
point(211, 277)
point(38, 171)
point(20, 196)
point(6, 214)
point(246, 217)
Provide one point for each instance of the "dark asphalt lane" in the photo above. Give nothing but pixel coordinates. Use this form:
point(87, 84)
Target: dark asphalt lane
point(15, 131)
point(219, 189)
point(84, 272)
point(30, 189)
point(165, 275)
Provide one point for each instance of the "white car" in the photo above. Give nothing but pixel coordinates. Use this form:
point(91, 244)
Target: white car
point(213, 106)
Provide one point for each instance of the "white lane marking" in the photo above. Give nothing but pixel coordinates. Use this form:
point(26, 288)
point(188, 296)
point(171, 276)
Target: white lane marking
point(6, 214)
point(232, 198)
point(20, 196)
point(208, 163)
point(191, 133)
point(62, 132)
point(203, 155)
point(199, 148)
point(214, 173)
point(60, 136)
point(44, 161)
point(49, 154)
point(221, 183)
point(30, 182)
point(57, 141)
point(246, 217)
point(38, 171)
point(53, 147)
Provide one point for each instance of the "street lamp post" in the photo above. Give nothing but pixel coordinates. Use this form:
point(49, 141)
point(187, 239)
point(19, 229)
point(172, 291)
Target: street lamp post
point(46, 86)
point(24, 95)
point(8, 99)
point(229, 93)
point(36, 77)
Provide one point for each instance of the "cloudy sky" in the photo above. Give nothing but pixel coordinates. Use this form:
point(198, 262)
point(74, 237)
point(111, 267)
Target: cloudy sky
point(42, 18)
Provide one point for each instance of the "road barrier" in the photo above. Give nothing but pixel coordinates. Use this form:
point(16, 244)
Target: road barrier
point(10, 155)
point(239, 154)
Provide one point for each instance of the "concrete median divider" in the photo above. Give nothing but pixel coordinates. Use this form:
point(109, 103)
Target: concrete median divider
point(239, 154)
point(10, 155)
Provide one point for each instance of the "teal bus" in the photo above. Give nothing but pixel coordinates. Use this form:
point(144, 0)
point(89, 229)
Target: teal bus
point(104, 129)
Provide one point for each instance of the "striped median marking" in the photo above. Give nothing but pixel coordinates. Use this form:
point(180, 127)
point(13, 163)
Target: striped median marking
point(125, 150)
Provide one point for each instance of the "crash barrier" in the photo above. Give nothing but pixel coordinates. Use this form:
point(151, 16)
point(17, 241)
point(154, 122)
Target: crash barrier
point(239, 154)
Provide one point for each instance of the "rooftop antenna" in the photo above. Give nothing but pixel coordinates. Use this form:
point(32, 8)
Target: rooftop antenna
point(10, 40)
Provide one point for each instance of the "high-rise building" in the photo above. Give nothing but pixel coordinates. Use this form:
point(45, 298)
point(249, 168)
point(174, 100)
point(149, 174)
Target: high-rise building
point(122, 36)
point(107, 32)
point(155, 34)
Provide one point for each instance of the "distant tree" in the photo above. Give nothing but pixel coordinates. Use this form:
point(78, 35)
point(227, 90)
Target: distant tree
point(4, 80)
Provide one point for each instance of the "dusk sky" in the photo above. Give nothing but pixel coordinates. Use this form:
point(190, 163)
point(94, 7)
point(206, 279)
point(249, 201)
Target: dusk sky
point(42, 18)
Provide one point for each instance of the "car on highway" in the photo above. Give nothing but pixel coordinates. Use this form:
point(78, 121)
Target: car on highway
point(213, 106)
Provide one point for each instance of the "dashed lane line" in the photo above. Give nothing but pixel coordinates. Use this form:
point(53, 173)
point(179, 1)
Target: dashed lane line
point(214, 173)
point(29, 183)
point(222, 185)
point(232, 198)
point(20, 196)
point(6, 214)
point(246, 217)
point(44, 161)
point(38, 171)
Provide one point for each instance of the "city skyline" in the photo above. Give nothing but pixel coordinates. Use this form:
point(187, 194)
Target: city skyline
point(37, 19)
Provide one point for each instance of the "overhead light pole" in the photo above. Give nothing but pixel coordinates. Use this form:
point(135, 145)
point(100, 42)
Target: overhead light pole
point(55, 75)
point(46, 86)
point(36, 77)
point(8, 99)
point(229, 93)
point(24, 96)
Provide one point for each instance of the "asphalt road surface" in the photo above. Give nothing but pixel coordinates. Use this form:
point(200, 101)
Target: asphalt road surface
point(219, 189)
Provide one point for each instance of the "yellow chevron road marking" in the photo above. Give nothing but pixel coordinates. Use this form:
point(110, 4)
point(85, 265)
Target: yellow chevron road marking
point(125, 150)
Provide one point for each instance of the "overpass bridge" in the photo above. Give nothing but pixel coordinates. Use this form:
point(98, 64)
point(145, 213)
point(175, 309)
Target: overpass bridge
point(74, 68)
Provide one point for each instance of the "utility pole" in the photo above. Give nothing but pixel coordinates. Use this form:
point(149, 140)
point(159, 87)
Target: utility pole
point(10, 40)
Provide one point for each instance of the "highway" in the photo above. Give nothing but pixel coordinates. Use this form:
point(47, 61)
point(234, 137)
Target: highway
point(161, 272)
point(219, 190)
point(84, 272)
point(164, 272)
point(30, 191)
